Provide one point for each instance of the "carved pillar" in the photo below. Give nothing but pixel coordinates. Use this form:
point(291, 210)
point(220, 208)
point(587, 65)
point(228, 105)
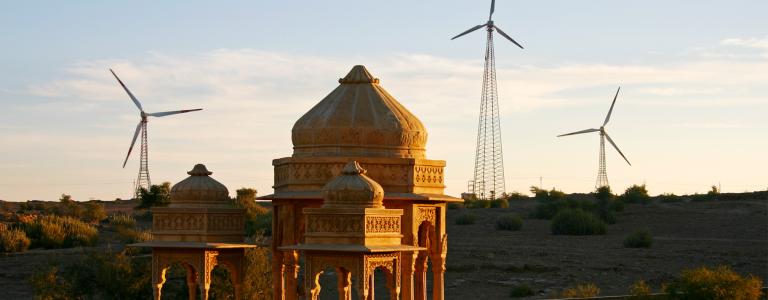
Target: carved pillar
point(291, 274)
point(209, 262)
point(371, 285)
point(361, 284)
point(344, 286)
point(278, 274)
point(314, 285)
point(438, 268)
point(158, 275)
point(191, 282)
point(420, 277)
point(409, 264)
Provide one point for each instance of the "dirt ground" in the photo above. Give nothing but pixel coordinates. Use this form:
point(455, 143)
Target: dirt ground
point(484, 263)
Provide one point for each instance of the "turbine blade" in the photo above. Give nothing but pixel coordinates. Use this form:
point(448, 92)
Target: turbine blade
point(617, 147)
point(506, 36)
point(135, 101)
point(468, 31)
point(135, 135)
point(580, 132)
point(168, 113)
point(493, 6)
point(608, 117)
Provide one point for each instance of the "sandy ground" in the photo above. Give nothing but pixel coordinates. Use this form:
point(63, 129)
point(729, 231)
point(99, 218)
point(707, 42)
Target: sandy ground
point(484, 263)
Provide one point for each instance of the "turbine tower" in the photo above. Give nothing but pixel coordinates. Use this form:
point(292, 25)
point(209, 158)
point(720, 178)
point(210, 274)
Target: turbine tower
point(143, 179)
point(602, 175)
point(488, 177)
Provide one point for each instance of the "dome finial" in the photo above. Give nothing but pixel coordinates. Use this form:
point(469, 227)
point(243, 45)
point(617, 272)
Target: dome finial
point(353, 168)
point(199, 170)
point(358, 74)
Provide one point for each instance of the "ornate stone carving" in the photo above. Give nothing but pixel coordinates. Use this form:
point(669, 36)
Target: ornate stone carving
point(321, 223)
point(428, 214)
point(377, 224)
point(179, 221)
point(225, 222)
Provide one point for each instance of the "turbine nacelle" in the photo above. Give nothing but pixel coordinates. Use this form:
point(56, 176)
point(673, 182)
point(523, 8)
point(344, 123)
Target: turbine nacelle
point(491, 26)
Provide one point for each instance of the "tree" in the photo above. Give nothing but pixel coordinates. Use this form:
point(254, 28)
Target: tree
point(636, 194)
point(157, 195)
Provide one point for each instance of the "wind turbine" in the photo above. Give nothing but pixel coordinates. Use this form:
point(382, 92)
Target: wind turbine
point(143, 179)
point(602, 176)
point(488, 179)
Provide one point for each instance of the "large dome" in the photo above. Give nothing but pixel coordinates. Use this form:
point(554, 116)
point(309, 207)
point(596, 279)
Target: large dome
point(359, 118)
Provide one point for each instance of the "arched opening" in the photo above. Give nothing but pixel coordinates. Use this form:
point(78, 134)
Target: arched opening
point(221, 284)
point(381, 282)
point(176, 277)
point(329, 284)
point(423, 272)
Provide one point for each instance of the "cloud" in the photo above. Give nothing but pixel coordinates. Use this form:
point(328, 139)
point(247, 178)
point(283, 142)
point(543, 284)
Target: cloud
point(251, 98)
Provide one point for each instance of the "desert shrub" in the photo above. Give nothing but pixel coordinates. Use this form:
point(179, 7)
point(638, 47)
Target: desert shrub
point(454, 205)
point(522, 290)
point(132, 235)
point(636, 194)
point(157, 195)
point(466, 219)
point(515, 196)
point(640, 290)
point(639, 239)
point(94, 212)
point(60, 232)
point(549, 203)
point(509, 222)
point(122, 220)
point(95, 276)
point(718, 283)
point(477, 203)
point(669, 198)
point(581, 291)
point(499, 203)
point(13, 240)
point(576, 222)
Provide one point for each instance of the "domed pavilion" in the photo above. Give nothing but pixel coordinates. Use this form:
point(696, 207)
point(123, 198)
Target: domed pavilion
point(359, 121)
point(200, 229)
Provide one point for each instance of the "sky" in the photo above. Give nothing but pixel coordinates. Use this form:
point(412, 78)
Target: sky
point(691, 113)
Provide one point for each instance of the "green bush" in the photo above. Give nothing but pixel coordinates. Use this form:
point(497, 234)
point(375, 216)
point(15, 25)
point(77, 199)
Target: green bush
point(581, 291)
point(60, 232)
point(13, 240)
point(509, 222)
point(636, 194)
point(719, 283)
point(477, 203)
point(669, 198)
point(606, 204)
point(94, 212)
point(522, 290)
point(576, 222)
point(639, 239)
point(157, 195)
point(454, 205)
point(499, 203)
point(466, 219)
point(549, 203)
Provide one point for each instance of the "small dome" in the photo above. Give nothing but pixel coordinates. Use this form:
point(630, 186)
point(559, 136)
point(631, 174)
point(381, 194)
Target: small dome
point(352, 189)
point(359, 118)
point(199, 189)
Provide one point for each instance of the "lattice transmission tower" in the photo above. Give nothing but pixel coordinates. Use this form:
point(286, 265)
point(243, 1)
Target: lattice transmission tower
point(488, 177)
point(143, 180)
point(602, 174)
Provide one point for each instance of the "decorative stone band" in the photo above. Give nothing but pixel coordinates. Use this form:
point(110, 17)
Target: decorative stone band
point(361, 224)
point(395, 175)
point(222, 225)
point(358, 141)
